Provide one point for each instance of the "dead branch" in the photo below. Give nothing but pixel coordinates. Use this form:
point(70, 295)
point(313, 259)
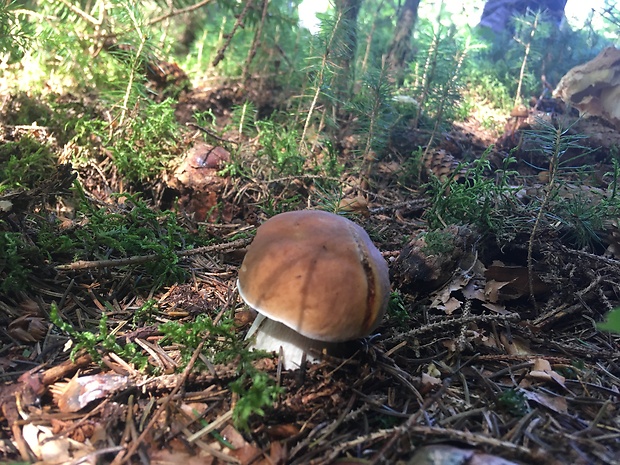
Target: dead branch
point(239, 23)
point(431, 327)
point(178, 12)
point(139, 259)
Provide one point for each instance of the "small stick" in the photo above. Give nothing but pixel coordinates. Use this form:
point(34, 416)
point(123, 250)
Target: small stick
point(138, 259)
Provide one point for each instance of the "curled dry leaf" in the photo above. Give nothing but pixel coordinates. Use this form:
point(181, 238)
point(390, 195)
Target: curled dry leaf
point(556, 403)
point(52, 449)
point(427, 263)
point(77, 393)
point(28, 328)
point(441, 454)
point(357, 204)
point(542, 371)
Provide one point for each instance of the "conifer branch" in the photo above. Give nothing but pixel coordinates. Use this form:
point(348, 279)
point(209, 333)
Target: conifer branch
point(91, 19)
point(239, 23)
point(178, 12)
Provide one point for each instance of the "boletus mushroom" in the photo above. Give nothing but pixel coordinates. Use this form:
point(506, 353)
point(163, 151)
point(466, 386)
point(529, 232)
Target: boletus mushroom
point(316, 279)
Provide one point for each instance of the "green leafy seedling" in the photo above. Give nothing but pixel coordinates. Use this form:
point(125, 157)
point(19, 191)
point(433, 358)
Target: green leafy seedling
point(93, 342)
point(612, 323)
point(514, 402)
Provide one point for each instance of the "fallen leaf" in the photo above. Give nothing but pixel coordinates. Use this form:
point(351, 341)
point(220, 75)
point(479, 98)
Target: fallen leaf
point(491, 290)
point(442, 454)
point(515, 345)
point(556, 403)
point(166, 457)
point(242, 450)
point(28, 328)
point(77, 393)
point(53, 449)
point(516, 281)
point(450, 306)
point(542, 371)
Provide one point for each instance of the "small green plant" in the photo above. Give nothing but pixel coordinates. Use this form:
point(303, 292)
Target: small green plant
point(411, 168)
point(134, 230)
point(24, 163)
point(373, 107)
point(555, 142)
point(15, 35)
point(583, 218)
point(256, 389)
point(15, 261)
point(612, 322)
point(514, 402)
point(243, 120)
point(435, 77)
point(397, 311)
point(438, 242)
point(143, 147)
point(279, 145)
point(93, 342)
point(478, 200)
point(527, 27)
point(144, 314)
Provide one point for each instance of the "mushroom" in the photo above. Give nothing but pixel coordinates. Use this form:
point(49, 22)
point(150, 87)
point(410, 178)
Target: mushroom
point(316, 280)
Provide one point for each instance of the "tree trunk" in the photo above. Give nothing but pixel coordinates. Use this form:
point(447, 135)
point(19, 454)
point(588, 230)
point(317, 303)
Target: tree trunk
point(345, 47)
point(399, 53)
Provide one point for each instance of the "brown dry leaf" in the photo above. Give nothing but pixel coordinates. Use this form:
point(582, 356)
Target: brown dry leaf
point(450, 306)
point(491, 290)
point(442, 296)
point(53, 449)
point(515, 345)
point(441, 454)
point(469, 282)
point(194, 410)
point(556, 403)
point(474, 290)
point(516, 281)
point(497, 308)
point(77, 393)
point(283, 431)
point(242, 450)
point(357, 204)
point(167, 457)
point(28, 328)
point(542, 371)
point(278, 453)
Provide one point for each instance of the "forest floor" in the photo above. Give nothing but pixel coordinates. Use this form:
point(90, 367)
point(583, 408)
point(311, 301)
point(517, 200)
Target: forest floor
point(489, 354)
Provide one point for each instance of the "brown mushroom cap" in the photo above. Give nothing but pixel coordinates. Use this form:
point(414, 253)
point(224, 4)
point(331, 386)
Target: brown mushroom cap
point(318, 273)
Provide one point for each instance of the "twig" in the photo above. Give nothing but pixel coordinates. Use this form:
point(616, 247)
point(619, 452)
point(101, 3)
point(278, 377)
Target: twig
point(180, 11)
point(126, 456)
point(83, 14)
point(600, 258)
point(211, 134)
point(139, 259)
point(239, 23)
point(431, 327)
point(410, 424)
point(255, 42)
point(471, 438)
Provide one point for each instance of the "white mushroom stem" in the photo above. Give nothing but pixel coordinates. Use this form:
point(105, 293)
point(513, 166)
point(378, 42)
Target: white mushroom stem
point(270, 336)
